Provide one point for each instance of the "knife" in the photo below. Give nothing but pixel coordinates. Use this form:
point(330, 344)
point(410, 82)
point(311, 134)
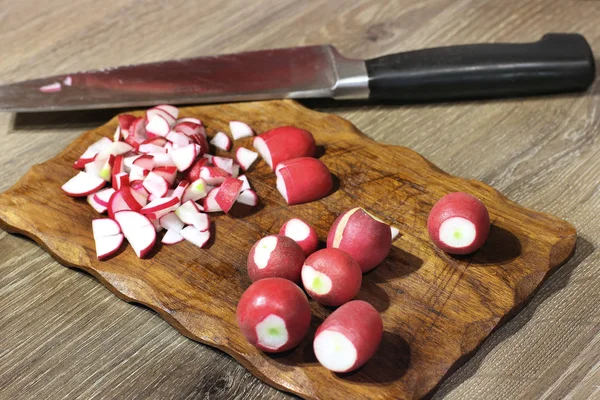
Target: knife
point(558, 62)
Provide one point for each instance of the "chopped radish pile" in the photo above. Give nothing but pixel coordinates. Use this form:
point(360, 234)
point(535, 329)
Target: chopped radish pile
point(160, 176)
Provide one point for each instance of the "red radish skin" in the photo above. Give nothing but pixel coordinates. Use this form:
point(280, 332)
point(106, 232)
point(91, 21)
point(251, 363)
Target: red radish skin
point(168, 173)
point(91, 199)
point(302, 180)
point(285, 143)
point(121, 180)
point(331, 277)
point(228, 193)
point(171, 110)
point(122, 199)
point(349, 337)
point(125, 121)
point(366, 238)
point(458, 223)
point(301, 233)
point(160, 207)
point(275, 256)
point(103, 196)
point(144, 161)
point(274, 315)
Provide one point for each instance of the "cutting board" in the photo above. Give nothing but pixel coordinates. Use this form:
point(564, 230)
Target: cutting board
point(436, 309)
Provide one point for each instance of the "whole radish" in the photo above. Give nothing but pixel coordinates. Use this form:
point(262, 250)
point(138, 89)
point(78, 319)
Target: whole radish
point(275, 256)
point(302, 233)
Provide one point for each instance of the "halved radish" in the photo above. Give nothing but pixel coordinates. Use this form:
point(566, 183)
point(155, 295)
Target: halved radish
point(285, 143)
point(156, 185)
point(107, 237)
point(169, 173)
point(245, 157)
point(240, 130)
point(194, 236)
point(221, 141)
point(178, 139)
point(275, 256)
point(159, 207)
point(158, 125)
point(144, 161)
point(195, 191)
point(171, 110)
point(246, 184)
point(248, 197)
point(213, 176)
point(103, 196)
point(138, 230)
point(172, 237)
point(180, 189)
point(349, 337)
point(190, 214)
point(171, 222)
point(331, 277)
point(395, 232)
point(193, 173)
point(228, 193)
point(302, 233)
point(184, 156)
point(302, 180)
point(83, 184)
point(366, 238)
point(125, 121)
point(458, 223)
point(273, 314)
point(91, 199)
point(120, 180)
point(210, 204)
point(123, 199)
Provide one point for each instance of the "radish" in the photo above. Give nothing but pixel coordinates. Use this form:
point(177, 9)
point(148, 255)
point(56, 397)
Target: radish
point(163, 160)
point(189, 119)
point(226, 164)
point(144, 161)
point(101, 167)
point(240, 130)
point(171, 222)
point(156, 112)
point(193, 173)
point(275, 256)
point(91, 199)
point(178, 139)
point(458, 223)
point(180, 189)
point(103, 196)
point(171, 110)
point(184, 157)
point(248, 197)
point(213, 176)
point(301, 233)
point(120, 180)
point(195, 191)
point(156, 141)
point(123, 199)
point(159, 207)
point(83, 184)
point(190, 214)
point(125, 121)
point(82, 162)
point(228, 193)
point(156, 225)
point(349, 337)
point(285, 143)
point(68, 81)
point(273, 314)
point(138, 230)
point(168, 173)
point(157, 125)
point(221, 141)
point(117, 134)
point(246, 184)
point(331, 277)
point(395, 232)
point(245, 157)
point(146, 148)
point(96, 148)
point(115, 149)
point(366, 238)
point(137, 131)
point(117, 168)
point(194, 236)
point(189, 128)
point(302, 180)
point(210, 204)
point(172, 237)
point(107, 237)
point(156, 185)
point(137, 173)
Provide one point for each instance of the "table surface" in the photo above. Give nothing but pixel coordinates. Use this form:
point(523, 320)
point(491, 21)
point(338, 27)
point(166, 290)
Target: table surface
point(64, 335)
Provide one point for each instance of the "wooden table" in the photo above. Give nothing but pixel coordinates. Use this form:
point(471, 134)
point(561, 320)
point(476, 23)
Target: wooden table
point(63, 335)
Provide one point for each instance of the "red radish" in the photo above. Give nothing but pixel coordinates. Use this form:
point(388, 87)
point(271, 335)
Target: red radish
point(301, 233)
point(458, 223)
point(184, 156)
point(117, 134)
point(273, 314)
point(193, 173)
point(395, 232)
point(51, 88)
point(331, 277)
point(125, 121)
point(246, 184)
point(146, 148)
point(349, 337)
point(240, 130)
point(171, 110)
point(158, 125)
point(235, 170)
point(128, 161)
point(228, 193)
point(275, 256)
point(83, 184)
point(194, 236)
point(226, 164)
point(210, 204)
point(302, 180)
point(213, 176)
point(120, 180)
point(172, 237)
point(123, 199)
point(91, 199)
point(202, 143)
point(171, 222)
point(144, 161)
point(366, 238)
point(221, 141)
point(140, 194)
point(103, 196)
point(245, 157)
point(107, 237)
point(159, 207)
point(195, 191)
point(156, 185)
point(163, 160)
point(190, 214)
point(248, 197)
point(138, 230)
point(169, 147)
point(188, 128)
point(180, 189)
point(82, 162)
point(130, 140)
point(178, 139)
point(208, 157)
point(285, 143)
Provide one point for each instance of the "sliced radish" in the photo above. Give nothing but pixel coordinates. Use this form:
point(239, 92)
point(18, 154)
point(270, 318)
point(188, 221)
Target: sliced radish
point(144, 161)
point(172, 237)
point(101, 167)
point(171, 222)
point(284, 143)
point(246, 184)
point(68, 81)
point(130, 140)
point(301, 233)
point(188, 128)
point(83, 184)
point(302, 180)
point(240, 130)
point(184, 156)
point(128, 162)
point(395, 232)
point(158, 125)
point(103, 227)
point(190, 119)
point(82, 162)
point(180, 189)
point(156, 185)
point(195, 191)
point(117, 168)
point(213, 175)
point(245, 157)
point(107, 237)
point(91, 199)
point(103, 196)
point(121, 180)
point(137, 173)
point(140, 194)
point(157, 141)
point(228, 193)
point(221, 141)
point(96, 148)
point(160, 207)
point(194, 236)
point(210, 204)
point(155, 224)
point(190, 214)
point(248, 197)
point(169, 173)
point(138, 230)
point(171, 110)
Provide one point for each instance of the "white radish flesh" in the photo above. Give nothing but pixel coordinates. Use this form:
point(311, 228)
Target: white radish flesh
point(210, 204)
point(240, 130)
point(221, 141)
point(245, 157)
point(171, 222)
point(245, 184)
point(83, 184)
point(172, 237)
point(184, 157)
point(195, 191)
point(138, 230)
point(248, 197)
point(194, 236)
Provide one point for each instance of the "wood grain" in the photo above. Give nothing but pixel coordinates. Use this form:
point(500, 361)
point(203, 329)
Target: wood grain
point(436, 309)
point(65, 336)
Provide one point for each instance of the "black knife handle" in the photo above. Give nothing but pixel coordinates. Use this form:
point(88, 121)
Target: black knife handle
point(558, 62)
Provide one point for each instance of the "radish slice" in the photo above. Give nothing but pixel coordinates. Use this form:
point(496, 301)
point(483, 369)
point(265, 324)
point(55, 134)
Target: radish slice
point(100, 167)
point(51, 88)
point(91, 199)
point(123, 199)
point(156, 185)
point(240, 130)
point(107, 237)
point(160, 207)
point(195, 191)
point(156, 225)
point(190, 214)
point(83, 184)
point(245, 157)
point(248, 197)
point(125, 121)
point(171, 110)
point(394, 231)
point(190, 119)
point(158, 125)
point(184, 157)
point(194, 236)
point(115, 149)
point(96, 148)
point(210, 204)
point(137, 173)
point(213, 175)
point(172, 237)
point(138, 230)
point(221, 141)
point(158, 112)
point(103, 227)
point(188, 128)
point(171, 222)
point(193, 173)
point(103, 196)
point(228, 193)
point(137, 130)
point(246, 184)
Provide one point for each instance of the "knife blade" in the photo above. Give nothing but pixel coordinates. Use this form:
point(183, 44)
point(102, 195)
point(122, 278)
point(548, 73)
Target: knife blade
point(556, 63)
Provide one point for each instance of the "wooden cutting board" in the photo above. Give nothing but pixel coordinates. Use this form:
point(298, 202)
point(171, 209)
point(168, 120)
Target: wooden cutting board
point(436, 309)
